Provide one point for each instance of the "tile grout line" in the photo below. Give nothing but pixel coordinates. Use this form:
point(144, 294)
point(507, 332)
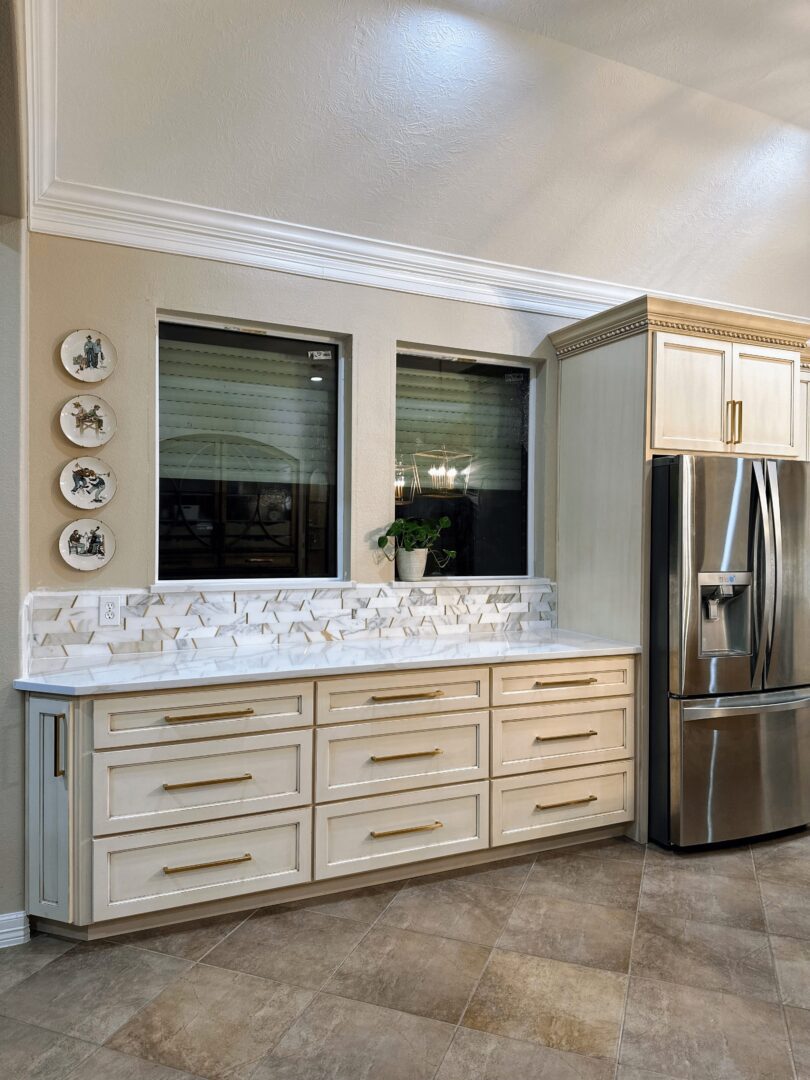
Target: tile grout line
point(630, 965)
point(777, 980)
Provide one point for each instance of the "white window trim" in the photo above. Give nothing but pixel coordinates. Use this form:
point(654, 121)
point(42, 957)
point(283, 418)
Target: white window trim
point(533, 367)
point(343, 512)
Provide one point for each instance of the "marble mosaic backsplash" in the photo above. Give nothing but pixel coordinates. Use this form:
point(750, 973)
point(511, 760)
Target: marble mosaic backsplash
point(66, 624)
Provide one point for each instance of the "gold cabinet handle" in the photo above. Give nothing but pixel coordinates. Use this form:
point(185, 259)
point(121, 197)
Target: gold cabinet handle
point(739, 423)
point(731, 409)
point(206, 865)
point(567, 802)
point(204, 783)
point(193, 718)
point(544, 684)
point(568, 735)
point(378, 758)
point(402, 832)
point(425, 695)
point(58, 765)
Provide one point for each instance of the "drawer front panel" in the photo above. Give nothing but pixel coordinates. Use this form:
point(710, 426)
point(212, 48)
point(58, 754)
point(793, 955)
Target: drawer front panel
point(395, 755)
point(562, 801)
point(391, 830)
point(167, 868)
point(562, 680)
point(185, 782)
point(172, 716)
point(534, 737)
point(411, 693)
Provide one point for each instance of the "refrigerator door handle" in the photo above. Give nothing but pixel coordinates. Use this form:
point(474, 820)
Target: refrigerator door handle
point(776, 511)
point(763, 522)
point(715, 712)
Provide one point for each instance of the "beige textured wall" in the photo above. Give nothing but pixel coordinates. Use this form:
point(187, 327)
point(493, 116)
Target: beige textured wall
point(119, 290)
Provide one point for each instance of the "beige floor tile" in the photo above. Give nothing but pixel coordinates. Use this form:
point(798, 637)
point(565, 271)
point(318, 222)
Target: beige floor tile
point(735, 862)
point(336, 1039)
point(191, 940)
point(213, 1022)
point(690, 894)
point(20, 961)
point(91, 990)
point(510, 874)
point(565, 876)
point(627, 1072)
point(455, 908)
point(588, 934)
point(617, 847)
point(298, 946)
point(31, 1053)
point(702, 1034)
point(705, 955)
point(787, 910)
point(786, 859)
point(361, 905)
point(799, 1027)
point(416, 973)
point(106, 1064)
point(563, 1006)
point(792, 958)
point(477, 1055)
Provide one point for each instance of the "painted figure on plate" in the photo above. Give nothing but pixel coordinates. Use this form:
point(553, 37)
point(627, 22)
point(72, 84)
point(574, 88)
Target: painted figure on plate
point(88, 418)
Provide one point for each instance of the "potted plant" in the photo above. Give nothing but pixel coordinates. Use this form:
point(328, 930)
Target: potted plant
point(409, 540)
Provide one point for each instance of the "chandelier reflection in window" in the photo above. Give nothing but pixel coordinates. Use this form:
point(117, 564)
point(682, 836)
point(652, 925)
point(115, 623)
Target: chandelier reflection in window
point(406, 483)
point(442, 474)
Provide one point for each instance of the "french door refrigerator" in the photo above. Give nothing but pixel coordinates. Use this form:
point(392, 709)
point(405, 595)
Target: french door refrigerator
point(729, 648)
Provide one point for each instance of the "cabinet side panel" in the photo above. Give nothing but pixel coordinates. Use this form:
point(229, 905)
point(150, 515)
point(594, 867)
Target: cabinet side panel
point(600, 513)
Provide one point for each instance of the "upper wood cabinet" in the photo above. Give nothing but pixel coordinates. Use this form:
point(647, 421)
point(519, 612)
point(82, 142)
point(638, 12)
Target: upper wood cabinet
point(715, 396)
point(804, 415)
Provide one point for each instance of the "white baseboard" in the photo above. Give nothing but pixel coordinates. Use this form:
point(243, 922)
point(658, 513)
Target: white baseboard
point(14, 929)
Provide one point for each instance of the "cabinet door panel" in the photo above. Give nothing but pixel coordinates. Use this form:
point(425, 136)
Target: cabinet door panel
point(48, 824)
point(766, 383)
point(691, 385)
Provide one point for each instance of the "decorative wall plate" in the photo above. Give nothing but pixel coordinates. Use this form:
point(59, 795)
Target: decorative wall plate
point(87, 420)
point(88, 355)
point(86, 544)
point(88, 482)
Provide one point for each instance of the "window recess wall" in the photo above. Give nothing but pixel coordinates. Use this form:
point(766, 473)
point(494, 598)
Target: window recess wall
point(248, 455)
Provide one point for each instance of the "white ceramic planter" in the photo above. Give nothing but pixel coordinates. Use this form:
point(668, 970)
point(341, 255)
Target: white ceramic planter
point(411, 564)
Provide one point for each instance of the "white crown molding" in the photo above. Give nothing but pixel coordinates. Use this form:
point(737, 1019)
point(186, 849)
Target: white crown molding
point(66, 208)
point(14, 929)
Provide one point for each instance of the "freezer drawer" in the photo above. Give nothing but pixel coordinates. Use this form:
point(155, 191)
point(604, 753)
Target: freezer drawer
point(739, 767)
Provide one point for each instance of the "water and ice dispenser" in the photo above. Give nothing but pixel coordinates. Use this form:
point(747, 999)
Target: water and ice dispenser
point(725, 614)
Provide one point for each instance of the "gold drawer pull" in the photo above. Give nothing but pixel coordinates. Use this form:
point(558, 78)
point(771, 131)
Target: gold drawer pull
point(204, 783)
point(192, 718)
point(402, 832)
point(206, 865)
point(567, 802)
point(378, 758)
point(569, 735)
point(425, 695)
point(544, 684)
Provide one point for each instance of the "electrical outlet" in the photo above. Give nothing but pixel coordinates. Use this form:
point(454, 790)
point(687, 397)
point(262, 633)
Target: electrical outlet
point(109, 610)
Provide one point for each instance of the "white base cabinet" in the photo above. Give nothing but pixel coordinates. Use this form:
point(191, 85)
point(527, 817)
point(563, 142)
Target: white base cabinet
point(146, 803)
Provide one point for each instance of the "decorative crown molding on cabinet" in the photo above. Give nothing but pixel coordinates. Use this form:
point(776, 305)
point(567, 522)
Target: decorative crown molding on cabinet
point(67, 208)
point(646, 313)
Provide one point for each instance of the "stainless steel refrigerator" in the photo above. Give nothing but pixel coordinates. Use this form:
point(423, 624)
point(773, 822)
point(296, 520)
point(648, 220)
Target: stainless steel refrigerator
point(729, 648)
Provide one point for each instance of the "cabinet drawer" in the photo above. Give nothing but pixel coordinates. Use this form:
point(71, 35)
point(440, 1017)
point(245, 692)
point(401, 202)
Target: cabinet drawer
point(393, 755)
point(527, 738)
point(410, 693)
point(390, 830)
point(170, 716)
point(172, 785)
point(562, 680)
point(167, 868)
point(561, 801)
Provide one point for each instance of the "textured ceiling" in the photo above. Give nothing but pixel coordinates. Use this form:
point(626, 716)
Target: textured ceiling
point(752, 52)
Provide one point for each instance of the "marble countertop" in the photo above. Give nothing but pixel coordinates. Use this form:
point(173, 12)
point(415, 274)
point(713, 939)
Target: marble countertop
point(210, 667)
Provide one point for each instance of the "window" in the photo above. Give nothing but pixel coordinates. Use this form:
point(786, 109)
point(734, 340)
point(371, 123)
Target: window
point(248, 455)
point(463, 432)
